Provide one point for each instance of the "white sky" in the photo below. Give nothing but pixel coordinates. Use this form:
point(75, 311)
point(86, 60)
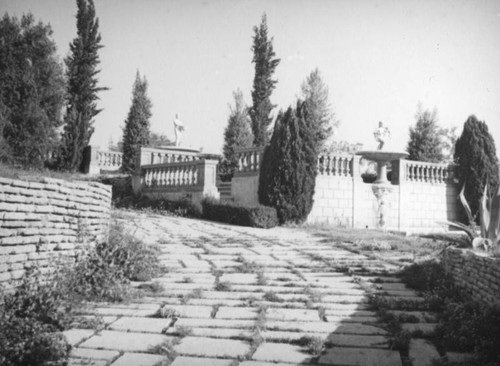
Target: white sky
point(379, 59)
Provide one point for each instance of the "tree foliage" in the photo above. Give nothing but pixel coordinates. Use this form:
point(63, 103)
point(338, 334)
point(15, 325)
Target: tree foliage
point(82, 86)
point(289, 166)
point(426, 143)
point(31, 91)
point(475, 154)
point(136, 131)
point(263, 83)
point(316, 96)
point(237, 133)
point(157, 139)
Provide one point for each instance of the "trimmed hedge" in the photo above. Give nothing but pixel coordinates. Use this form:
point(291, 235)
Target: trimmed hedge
point(231, 213)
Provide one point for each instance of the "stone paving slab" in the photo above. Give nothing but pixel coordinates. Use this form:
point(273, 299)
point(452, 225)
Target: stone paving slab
point(75, 336)
point(360, 357)
point(197, 361)
point(121, 341)
point(138, 359)
point(86, 362)
point(136, 324)
point(422, 353)
point(260, 363)
point(354, 340)
point(279, 352)
point(226, 312)
point(292, 314)
point(209, 347)
point(95, 354)
point(215, 323)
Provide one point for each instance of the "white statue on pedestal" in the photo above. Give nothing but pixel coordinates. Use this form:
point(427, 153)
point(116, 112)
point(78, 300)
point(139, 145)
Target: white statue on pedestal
point(382, 135)
point(178, 129)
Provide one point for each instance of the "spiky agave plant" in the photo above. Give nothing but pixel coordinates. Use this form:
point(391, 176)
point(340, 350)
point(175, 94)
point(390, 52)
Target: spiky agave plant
point(488, 237)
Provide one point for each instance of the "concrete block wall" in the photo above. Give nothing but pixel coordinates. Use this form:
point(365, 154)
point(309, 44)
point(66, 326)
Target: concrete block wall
point(44, 218)
point(477, 273)
point(333, 201)
point(423, 205)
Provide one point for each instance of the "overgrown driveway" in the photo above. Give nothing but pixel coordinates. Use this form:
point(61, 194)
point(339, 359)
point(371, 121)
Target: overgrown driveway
point(242, 296)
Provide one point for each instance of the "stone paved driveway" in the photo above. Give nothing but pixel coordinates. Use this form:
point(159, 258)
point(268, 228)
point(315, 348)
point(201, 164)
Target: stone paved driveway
point(237, 296)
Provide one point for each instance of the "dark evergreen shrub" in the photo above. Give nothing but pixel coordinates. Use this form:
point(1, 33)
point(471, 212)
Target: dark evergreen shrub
point(232, 213)
point(289, 167)
point(476, 156)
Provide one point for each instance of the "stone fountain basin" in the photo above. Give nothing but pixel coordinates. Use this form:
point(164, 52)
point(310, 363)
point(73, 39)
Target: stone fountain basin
point(382, 156)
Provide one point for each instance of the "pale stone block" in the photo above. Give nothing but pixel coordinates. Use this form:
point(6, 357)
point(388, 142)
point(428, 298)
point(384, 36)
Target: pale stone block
point(209, 347)
point(132, 342)
point(75, 336)
point(93, 354)
point(278, 352)
point(360, 357)
point(138, 359)
point(199, 361)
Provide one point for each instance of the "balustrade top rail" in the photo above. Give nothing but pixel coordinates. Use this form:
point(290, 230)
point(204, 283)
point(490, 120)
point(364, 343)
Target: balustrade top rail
point(180, 174)
point(341, 165)
point(418, 171)
point(109, 159)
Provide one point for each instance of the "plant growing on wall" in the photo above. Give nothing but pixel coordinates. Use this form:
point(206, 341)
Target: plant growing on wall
point(489, 214)
point(289, 166)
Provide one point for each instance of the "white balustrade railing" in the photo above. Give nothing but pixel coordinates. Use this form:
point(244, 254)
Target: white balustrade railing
point(249, 159)
point(183, 174)
point(336, 165)
point(109, 160)
point(417, 171)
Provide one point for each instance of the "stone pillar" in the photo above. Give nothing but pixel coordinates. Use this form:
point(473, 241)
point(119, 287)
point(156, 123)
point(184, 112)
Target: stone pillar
point(404, 207)
point(90, 162)
point(357, 196)
point(208, 178)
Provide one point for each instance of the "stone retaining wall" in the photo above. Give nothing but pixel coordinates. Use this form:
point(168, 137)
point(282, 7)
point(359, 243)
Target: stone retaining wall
point(477, 273)
point(43, 218)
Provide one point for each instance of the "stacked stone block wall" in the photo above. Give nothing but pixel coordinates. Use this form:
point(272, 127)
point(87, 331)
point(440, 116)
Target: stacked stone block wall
point(424, 206)
point(44, 218)
point(477, 273)
point(333, 201)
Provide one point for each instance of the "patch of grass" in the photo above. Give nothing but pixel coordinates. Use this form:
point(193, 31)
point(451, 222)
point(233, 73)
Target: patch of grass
point(223, 286)
point(166, 312)
point(272, 297)
point(187, 279)
point(261, 278)
point(197, 293)
point(314, 345)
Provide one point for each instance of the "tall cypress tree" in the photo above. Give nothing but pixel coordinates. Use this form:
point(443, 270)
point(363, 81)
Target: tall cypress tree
point(289, 166)
point(263, 84)
point(136, 132)
point(476, 156)
point(82, 86)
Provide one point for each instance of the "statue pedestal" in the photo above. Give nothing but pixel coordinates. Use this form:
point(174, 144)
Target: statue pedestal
point(381, 187)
